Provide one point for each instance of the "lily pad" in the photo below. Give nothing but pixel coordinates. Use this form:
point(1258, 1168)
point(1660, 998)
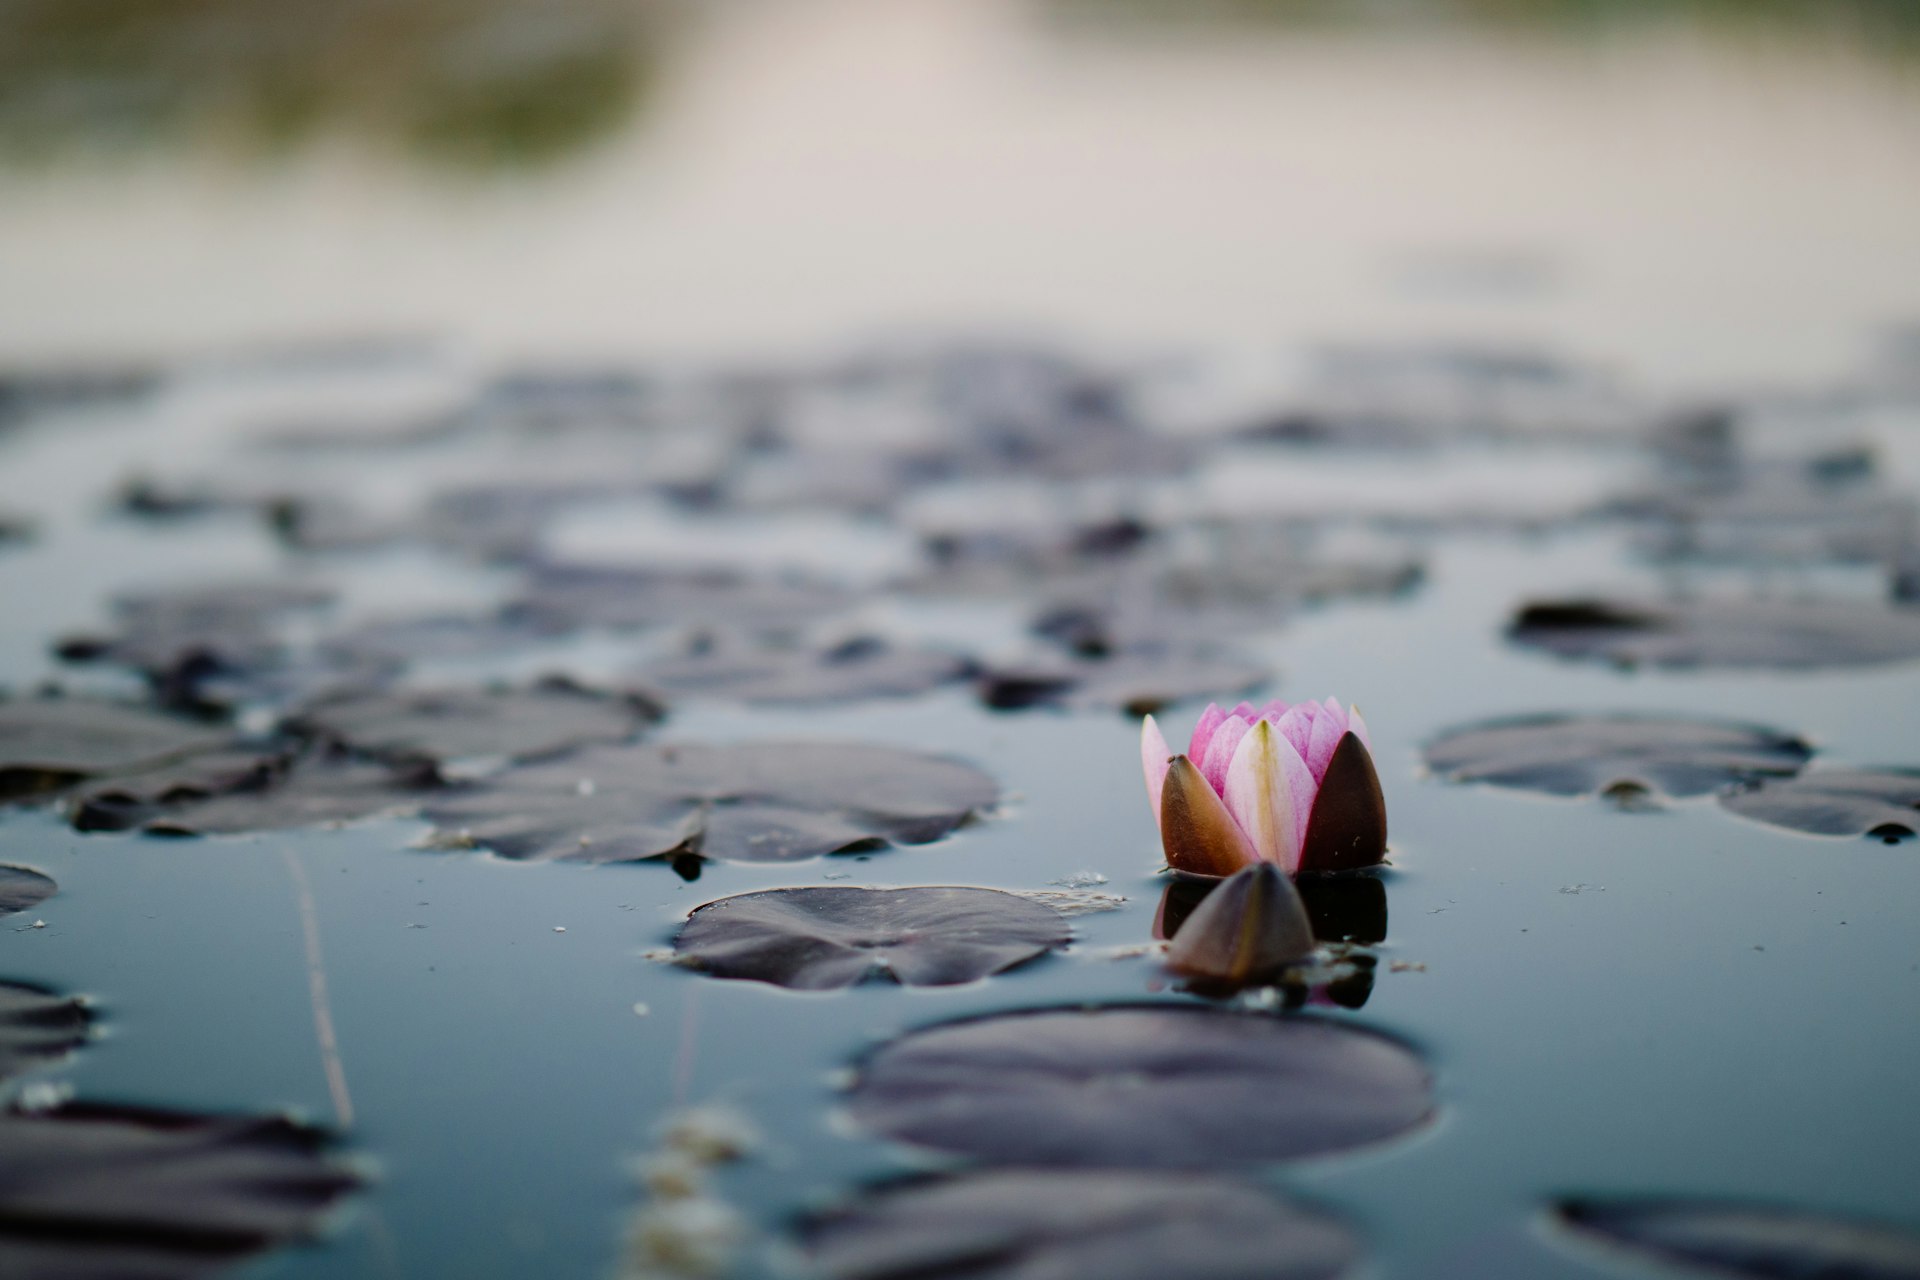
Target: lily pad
point(458, 724)
point(1764, 634)
point(754, 802)
point(36, 1027)
point(1147, 1086)
point(23, 887)
point(90, 1190)
point(1763, 1242)
point(820, 939)
point(1571, 755)
point(1087, 1225)
point(1137, 683)
point(47, 744)
point(863, 667)
point(123, 801)
point(563, 597)
point(315, 791)
point(1836, 802)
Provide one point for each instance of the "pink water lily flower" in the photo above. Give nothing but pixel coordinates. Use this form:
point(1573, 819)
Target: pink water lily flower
point(1287, 784)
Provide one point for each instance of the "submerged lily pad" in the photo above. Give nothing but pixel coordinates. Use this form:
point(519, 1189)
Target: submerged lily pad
point(1086, 1225)
point(90, 1190)
point(1778, 634)
point(1837, 802)
point(458, 724)
point(47, 744)
point(1163, 1086)
point(36, 1027)
point(1570, 755)
point(1764, 1242)
point(863, 667)
point(23, 887)
point(819, 939)
point(754, 802)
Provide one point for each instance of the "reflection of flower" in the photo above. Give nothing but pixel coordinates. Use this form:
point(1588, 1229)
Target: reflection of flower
point(1292, 785)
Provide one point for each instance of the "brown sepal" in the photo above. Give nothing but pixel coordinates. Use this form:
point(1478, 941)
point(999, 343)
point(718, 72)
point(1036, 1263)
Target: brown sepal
point(1247, 930)
point(1348, 828)
point(1197, 833)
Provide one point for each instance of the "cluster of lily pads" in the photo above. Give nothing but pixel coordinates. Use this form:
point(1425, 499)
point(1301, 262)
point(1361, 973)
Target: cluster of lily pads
point(1106, 510)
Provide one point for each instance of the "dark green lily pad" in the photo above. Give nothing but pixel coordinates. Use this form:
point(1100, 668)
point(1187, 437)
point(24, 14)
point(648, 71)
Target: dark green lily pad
point(1571, 755)
point(1086, 1225)
point(1836, 802)
point(1763, 1242)
point(315, 791)
point(562, 597)
point(48, 744)
point(754, 802)
point(88, 1191)
point(1766, 634)
point(820, 939)
point(863, 667)
point(1146, 1086)
point(23, 887)
point(37, 1027)
point(457, 724)
point(123, 801)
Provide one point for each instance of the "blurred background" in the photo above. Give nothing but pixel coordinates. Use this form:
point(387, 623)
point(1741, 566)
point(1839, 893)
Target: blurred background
point(1703, 192)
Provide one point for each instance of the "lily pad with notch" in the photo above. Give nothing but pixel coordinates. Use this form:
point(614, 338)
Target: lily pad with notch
point(23, 887)
point(100, 1190)
point(1788, 635)
point(316, 790)
point(439, 725)
point(1020, 1224)
point(1621, 755)
point(37, 1027)
point(752, 802)
point(863, 667)
point(1145, 1086)
point(821, 939)
point(1884, 803)
point(48, 744)
point(1733, 1238)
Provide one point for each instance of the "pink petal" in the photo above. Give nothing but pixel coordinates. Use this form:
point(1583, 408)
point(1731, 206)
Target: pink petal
point(1358, 728)
point(1226, 740)
point(1210, 719)
point(1328, 729)
point(1270, 795)
point(1154, 758)
point(1339, 715)
point(1246, 711)
point(1274, 710)
point(1297, 727)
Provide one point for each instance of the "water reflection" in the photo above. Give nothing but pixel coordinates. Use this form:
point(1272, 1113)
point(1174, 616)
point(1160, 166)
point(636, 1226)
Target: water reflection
point(470, 81)
point(1348, 914)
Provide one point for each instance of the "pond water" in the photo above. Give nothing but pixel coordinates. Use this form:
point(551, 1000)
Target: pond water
point(637, 368)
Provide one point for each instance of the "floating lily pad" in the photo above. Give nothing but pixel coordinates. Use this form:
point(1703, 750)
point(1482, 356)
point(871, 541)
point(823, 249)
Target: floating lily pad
point(1165, 1086)
point(314, 792)
point(47, 744)
point(123, 801)
point(1570, 755)
point(1731, 1239)
point(755, 802)
point(1782, 634)
point(90, 1190)
point(458, 724)
point(1837, 802)
point(1137, 683)
point(36, 1027)
point(863, 667)
point(23, 887)
point(1056, 1225)
point(564, 597)
point(819, 939)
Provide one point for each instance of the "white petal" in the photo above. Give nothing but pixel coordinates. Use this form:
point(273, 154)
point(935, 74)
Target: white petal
point(1264, 786)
